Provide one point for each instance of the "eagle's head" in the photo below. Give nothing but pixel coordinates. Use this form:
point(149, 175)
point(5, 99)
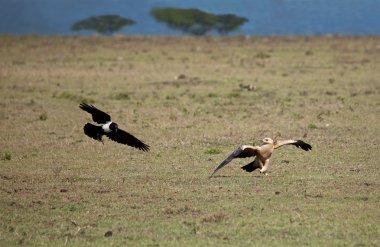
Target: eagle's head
point(268, 140)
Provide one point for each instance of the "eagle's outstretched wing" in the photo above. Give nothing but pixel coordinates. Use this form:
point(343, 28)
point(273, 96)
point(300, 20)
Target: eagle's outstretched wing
point(298, 143)
point(242, 152)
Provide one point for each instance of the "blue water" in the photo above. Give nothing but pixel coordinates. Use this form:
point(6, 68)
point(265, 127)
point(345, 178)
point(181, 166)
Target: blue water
point(266, 17)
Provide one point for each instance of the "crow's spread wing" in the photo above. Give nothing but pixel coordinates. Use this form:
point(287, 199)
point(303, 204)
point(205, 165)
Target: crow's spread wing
point(124, 137)
point(98, 116)
point(93, 131)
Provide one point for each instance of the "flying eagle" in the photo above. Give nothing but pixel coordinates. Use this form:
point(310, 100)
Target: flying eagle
point(261, 153)
point(108, 128)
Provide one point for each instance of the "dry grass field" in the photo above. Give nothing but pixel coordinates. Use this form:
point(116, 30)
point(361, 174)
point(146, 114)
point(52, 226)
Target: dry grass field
point(181, 96)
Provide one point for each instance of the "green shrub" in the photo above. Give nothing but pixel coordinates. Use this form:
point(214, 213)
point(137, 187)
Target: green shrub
point(43, 116)
point(73, 97)
point(213, 151)
point(7, 156)
point(122, 96)
point(313, 126)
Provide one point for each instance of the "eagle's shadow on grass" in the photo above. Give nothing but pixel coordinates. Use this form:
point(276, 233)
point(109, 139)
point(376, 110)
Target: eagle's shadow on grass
point(241, 176)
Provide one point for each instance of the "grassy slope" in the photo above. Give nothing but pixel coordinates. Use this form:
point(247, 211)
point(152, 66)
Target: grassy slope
point(61, 188)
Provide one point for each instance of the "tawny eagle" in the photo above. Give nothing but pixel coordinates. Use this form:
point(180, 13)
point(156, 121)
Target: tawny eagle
point(261, 153)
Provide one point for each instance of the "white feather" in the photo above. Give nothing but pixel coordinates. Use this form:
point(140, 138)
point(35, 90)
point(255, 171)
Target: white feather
point(106, 127)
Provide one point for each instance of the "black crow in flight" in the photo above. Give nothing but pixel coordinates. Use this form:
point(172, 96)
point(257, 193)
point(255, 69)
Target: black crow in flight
point(108, 128)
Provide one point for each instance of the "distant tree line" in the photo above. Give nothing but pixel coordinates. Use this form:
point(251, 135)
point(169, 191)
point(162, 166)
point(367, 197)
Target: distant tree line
point(191, 21)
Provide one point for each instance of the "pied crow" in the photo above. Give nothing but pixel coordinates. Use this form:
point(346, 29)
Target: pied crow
point(108, 128)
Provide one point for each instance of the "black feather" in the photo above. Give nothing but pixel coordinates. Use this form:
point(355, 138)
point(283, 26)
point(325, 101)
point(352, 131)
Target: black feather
point(238, 153)
point(124, 137)
point(250, 167)
point(93, 131)
point(232, 156)
point(301, 144)
point(98, 116)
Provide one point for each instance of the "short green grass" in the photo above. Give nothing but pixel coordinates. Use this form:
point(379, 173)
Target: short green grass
point(182, 97)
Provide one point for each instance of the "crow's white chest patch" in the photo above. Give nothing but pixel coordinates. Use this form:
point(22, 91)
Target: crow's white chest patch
point(106, 127)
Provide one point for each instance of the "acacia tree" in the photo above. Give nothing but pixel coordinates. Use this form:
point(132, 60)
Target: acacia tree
point(197, 22)
point(106, 24)
point(229, 22)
